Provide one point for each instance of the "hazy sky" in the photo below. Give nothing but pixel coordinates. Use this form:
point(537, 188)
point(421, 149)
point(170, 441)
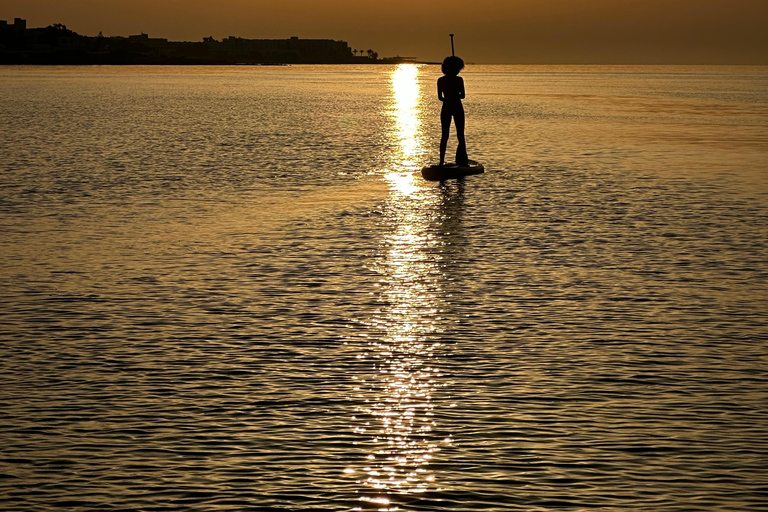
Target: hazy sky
point(487, 31)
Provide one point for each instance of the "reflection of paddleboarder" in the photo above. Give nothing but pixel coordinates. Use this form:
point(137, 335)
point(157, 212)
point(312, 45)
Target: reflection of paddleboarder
point(450, 90)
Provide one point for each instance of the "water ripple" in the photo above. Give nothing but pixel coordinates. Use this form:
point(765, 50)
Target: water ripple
point(281, 316)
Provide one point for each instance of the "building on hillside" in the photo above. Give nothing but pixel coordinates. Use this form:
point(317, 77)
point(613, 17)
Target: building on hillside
point(19, 25)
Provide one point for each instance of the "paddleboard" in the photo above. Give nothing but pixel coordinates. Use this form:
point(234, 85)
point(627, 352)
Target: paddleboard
point(451, 171)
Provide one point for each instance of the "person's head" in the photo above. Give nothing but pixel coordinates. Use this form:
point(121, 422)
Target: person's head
point(452, 66)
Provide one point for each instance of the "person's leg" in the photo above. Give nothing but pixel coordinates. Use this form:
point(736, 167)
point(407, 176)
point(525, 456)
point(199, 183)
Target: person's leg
point(461, 151)
point(445, 122)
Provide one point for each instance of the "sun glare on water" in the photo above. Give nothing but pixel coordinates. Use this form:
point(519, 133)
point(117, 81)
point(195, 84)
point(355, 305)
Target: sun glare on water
point(406, 138)
point(396, 417)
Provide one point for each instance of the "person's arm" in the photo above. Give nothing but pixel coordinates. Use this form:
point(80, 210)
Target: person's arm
point(462, 94)
point(440, 91)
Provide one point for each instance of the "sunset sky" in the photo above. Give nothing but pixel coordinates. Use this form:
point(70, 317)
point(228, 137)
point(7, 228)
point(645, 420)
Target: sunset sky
point(487, 31)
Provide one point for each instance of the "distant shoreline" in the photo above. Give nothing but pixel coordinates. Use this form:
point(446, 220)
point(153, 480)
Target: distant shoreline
point(57, 45)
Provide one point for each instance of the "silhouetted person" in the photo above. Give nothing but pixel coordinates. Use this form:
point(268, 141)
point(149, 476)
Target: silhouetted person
point(450, 90)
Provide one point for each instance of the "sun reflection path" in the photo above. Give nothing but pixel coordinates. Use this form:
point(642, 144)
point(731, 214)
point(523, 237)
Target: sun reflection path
point(398, 393)
point(406, 110)
point(395, 420)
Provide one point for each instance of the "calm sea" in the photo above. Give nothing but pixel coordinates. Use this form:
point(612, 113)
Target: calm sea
point(229, 289)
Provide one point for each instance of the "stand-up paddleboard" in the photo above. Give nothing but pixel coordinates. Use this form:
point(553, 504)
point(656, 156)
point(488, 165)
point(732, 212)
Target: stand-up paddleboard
point(451, 171)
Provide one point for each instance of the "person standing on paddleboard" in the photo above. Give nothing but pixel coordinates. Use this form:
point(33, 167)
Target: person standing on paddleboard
point(450, 90)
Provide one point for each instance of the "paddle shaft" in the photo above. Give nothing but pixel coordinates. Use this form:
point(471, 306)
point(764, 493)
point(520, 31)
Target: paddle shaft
point(453, 53)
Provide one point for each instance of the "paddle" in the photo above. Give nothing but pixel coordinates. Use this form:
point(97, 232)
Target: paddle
point(453, 53)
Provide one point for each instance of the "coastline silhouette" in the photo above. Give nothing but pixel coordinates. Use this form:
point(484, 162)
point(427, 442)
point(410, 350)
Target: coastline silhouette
point(56, 44)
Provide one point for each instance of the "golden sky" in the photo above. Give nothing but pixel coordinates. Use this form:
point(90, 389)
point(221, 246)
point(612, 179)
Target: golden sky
point(487, 31)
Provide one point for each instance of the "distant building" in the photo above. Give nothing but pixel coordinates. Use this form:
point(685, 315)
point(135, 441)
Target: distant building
point(19, 24)
point(155, 45)
point(145, 39)
point(293, 50)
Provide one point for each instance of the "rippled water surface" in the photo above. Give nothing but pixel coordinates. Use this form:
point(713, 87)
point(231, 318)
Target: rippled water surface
point(228, 288)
